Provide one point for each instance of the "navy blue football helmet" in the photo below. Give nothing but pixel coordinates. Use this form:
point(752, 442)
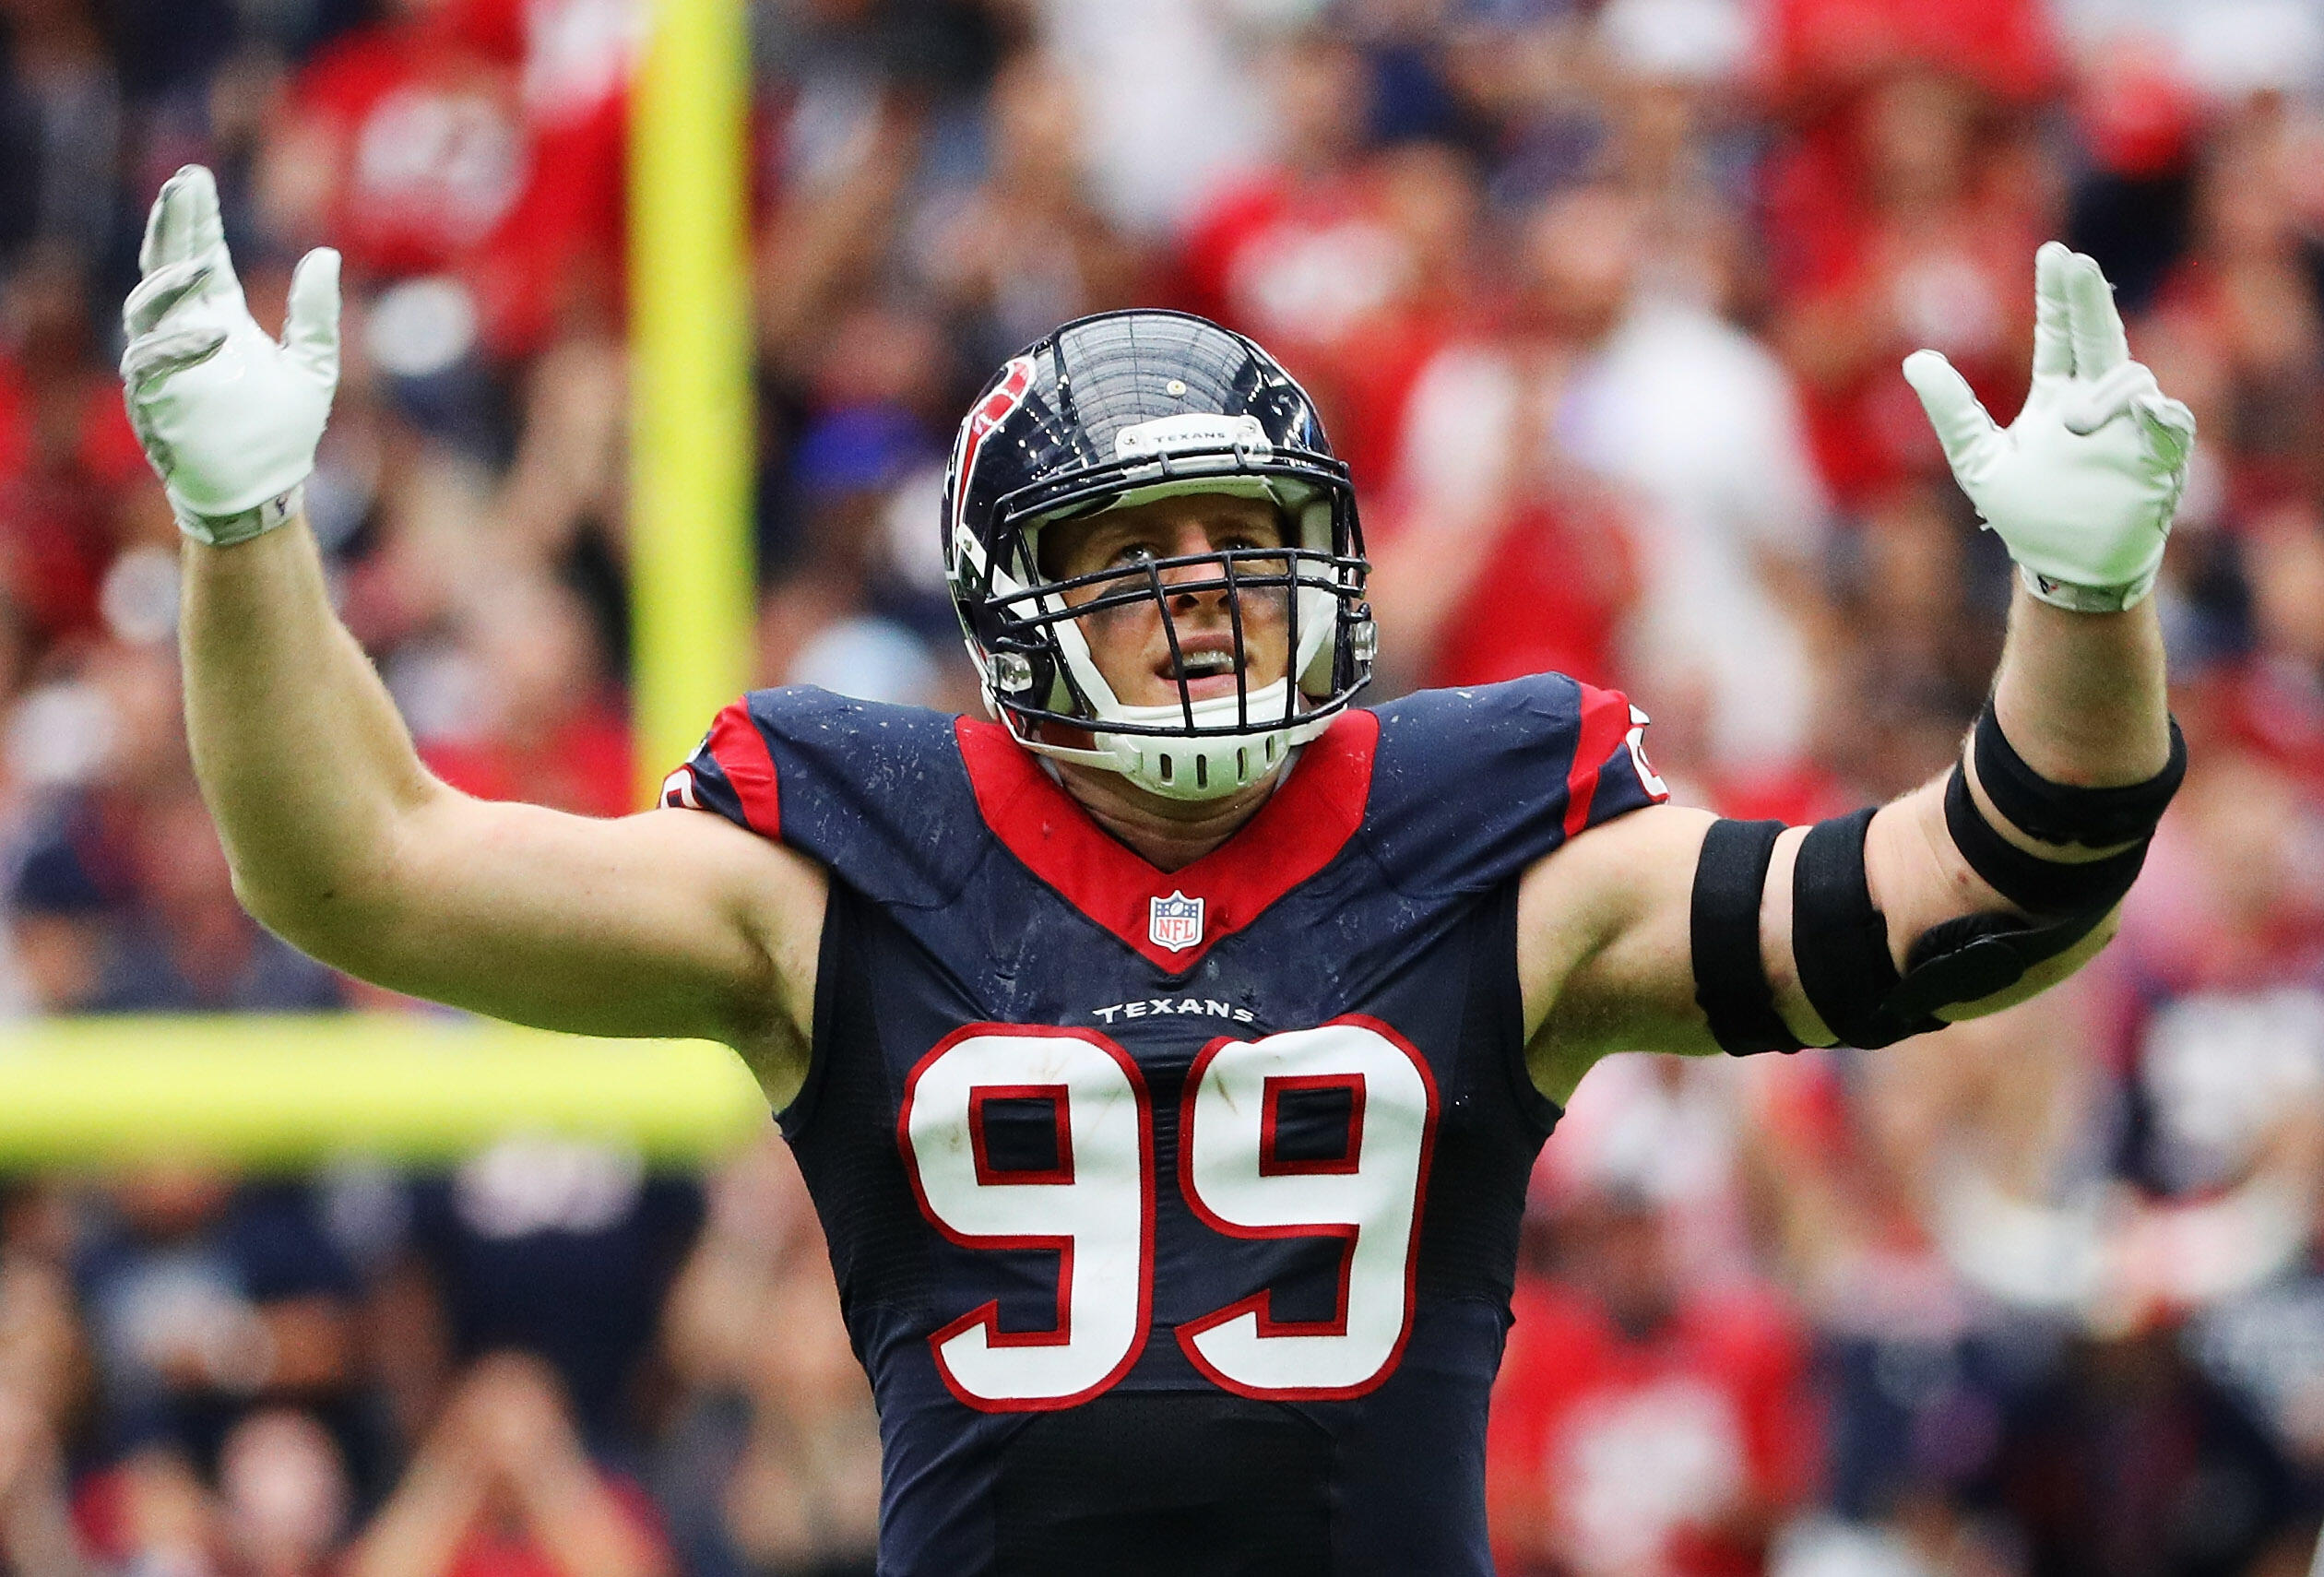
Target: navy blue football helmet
point(1117, 409)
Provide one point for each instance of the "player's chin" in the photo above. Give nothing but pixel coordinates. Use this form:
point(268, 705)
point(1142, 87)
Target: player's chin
point(1208, 686)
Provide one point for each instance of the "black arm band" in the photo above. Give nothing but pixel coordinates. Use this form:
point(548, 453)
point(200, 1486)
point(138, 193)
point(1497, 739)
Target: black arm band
point(1730, 976)
point(2036, 885)
point(1973, 956)
point(2057, 813)
point(1840, 941)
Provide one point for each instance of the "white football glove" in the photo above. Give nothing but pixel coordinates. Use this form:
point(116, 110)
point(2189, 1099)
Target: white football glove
point(228, 417)
point(2081, 485)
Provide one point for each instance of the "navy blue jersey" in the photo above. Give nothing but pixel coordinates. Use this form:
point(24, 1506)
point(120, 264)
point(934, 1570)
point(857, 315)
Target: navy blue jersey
point(1175, 1214)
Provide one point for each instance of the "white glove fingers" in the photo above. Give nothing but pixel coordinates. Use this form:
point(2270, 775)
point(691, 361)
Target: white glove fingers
point(2095, 404)
point(185, 222)
point(2100, 345)
point(2082, 486)
point(1962, 425)
point(2169, 425)
point(159, 355)
point(160, 246)
point(230, 434)
point(158, 292)
point(310, 330)
point(2052, 333)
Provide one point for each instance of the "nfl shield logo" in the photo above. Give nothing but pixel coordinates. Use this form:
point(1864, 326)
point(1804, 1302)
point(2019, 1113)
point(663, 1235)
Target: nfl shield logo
point(1175, 922)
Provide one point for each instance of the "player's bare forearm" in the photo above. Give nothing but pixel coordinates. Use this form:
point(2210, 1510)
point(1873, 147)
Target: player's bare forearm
point(2083, 696)
point(306, 765)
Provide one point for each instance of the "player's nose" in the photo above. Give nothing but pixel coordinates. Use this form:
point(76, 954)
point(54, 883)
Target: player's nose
point(1187, 541)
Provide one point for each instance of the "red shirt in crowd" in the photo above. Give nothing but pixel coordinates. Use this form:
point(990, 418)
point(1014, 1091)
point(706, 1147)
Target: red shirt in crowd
point(582, 763)
point(489, 1552)
point(1318, 271)
point(1862, 243)
point(2005, 46)
point(1654, 1454)
point(1556, 579)
point(477, 141)
point(68, 455)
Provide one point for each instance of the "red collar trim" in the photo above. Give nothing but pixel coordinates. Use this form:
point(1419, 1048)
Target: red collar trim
point(1296, 833)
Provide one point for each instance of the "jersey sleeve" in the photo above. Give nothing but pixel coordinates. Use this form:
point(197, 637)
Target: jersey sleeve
point(1473, 785)
point(875, 794)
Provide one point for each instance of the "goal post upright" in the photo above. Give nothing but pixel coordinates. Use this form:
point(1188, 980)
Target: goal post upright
point(693, 428)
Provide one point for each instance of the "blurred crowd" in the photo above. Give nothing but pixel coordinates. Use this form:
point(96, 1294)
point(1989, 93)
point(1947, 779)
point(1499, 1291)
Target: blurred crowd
point(1602, 302)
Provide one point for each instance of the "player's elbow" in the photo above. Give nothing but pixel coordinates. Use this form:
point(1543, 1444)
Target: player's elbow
point(316, 915)
point(328, 897)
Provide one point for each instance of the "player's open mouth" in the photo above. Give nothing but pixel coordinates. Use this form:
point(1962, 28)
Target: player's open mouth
point(1206, 670)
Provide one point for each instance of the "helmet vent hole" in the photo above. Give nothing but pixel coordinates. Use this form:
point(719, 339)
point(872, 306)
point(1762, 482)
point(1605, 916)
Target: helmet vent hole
point(1242, 766)
point(1201, 772)
point(1166, 767)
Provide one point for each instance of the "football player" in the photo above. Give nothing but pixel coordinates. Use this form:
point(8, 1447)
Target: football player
point(1167, 1055)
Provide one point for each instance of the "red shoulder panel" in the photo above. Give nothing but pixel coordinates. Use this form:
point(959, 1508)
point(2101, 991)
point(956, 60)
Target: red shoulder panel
point(739, 750)
point(1296, 834)
point(1605, 726)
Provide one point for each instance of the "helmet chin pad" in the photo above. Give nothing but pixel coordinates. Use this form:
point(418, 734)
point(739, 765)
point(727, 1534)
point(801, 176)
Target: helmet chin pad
point(1211, 765)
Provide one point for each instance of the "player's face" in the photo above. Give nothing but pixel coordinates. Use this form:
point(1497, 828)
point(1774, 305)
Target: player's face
point(1129, 644)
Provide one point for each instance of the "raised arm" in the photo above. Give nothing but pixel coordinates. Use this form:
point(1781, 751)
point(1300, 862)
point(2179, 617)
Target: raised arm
point(664, 923)
point(1671, 930)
